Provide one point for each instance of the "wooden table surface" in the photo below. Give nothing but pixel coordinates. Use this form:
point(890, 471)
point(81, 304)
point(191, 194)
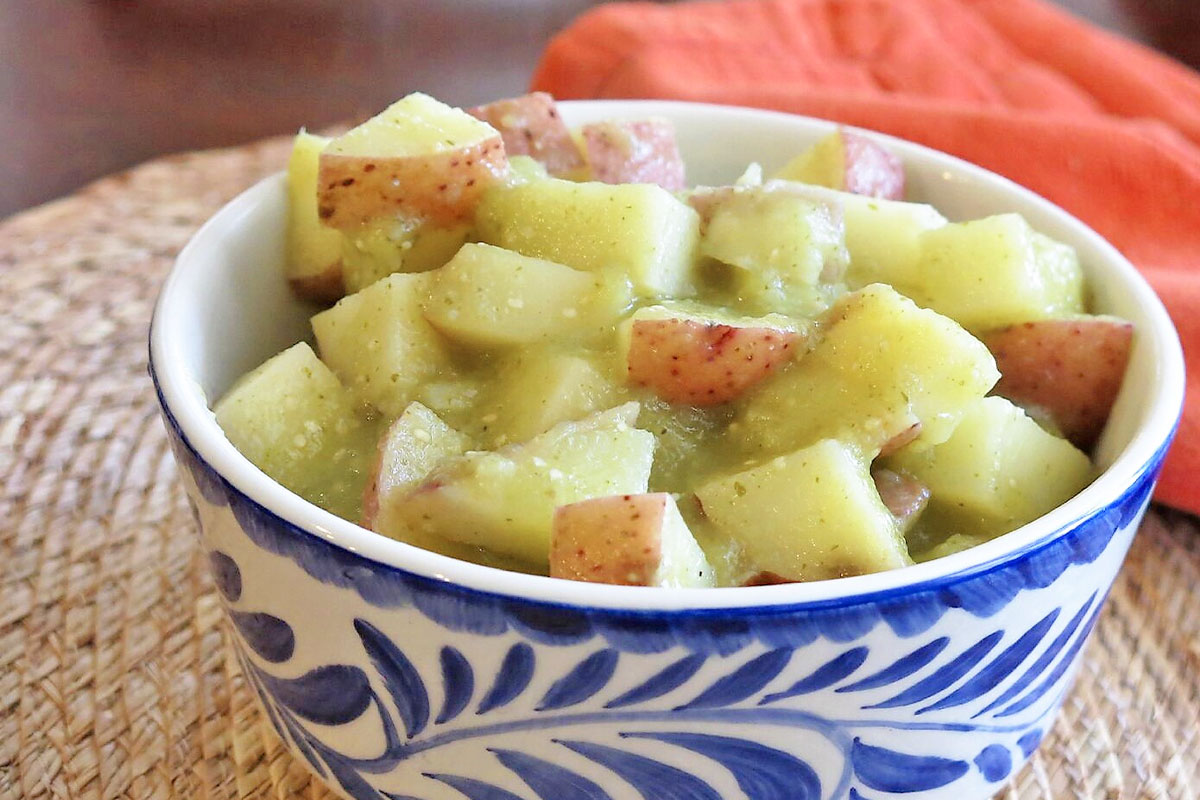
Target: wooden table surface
point(89, 87)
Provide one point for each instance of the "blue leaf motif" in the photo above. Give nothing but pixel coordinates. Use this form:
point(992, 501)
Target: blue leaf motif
point(827, 674)
point(898, 773)
point(588, 677)
point(301, 742)
point(226, 575)
point(762, 772)
point(1060, 669)
point(652, 779)
point(330, 695)
point(744, 681)
point(945, 675)
point(401, 678)
point(550, 781)
point(550, 624)
point(636, 634)
point(473, 789)
point(720, 635)
point(1029, 742)
point(457, 610)
point(391, 796)
point(1043, 662)
point(352, 782)
point(900, 668)
point(458, 684)
point(515, 673)
point(1000, 667)
point(268, 636)
point(667, 680)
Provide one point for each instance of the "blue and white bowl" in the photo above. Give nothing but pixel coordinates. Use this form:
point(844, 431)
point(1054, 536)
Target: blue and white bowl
point(398, 673)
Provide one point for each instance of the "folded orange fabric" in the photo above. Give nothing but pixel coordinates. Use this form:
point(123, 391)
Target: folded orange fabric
point(1105, 128)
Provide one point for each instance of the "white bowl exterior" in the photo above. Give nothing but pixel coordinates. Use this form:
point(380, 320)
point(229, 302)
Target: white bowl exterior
point(1003, 621)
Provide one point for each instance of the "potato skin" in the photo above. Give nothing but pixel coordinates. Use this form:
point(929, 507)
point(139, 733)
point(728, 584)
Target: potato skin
point(615, 540)
point(904, 496)
point(1070, 368)
point(531, 126)
point(639, 151)
point(442, 188)
point(870, 169)
point(703, 363)
point(322, 287)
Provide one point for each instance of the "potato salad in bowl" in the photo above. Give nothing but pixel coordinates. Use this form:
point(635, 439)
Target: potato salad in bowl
point(543, 349)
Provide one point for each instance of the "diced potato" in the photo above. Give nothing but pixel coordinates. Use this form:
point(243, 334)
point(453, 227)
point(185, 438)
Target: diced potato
point(1070, 368)
point(314, 252)
point(452, 397)
point(629, 540)
point(504, 500)
point(849, 162)
point(537, 389)
point(772, 233)
point(408, 451)
point(997, 271)
point(704, 359)
point(883, 237)
point(490, 297)
point(379, 343)
point(955, 543)
point(809, 515)
point(882, 365)
point(377, 251)
point(531, 126)
point(1000, 465)
point(903, 495)
point(634, 151)
point(293, 419)
point(412, 447)
point(523, 169)
point(641, 230)
point(418, 159)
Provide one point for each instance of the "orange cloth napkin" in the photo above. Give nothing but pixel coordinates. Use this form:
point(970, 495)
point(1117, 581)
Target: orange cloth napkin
point(1105, 128)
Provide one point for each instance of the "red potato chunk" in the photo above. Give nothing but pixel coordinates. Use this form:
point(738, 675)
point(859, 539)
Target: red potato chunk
point(905, 497)
point(419, 160)
point(851, 163)
point(641, 151)
point(871, 169)
point(701, 362)
point(628, 540)
point(531, 126)
point(1069, 368)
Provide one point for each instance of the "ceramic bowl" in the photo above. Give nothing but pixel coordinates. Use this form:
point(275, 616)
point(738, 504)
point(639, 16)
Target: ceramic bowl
point(398, 673)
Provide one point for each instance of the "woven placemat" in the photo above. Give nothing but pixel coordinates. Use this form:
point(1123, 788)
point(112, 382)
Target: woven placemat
point(115, 675)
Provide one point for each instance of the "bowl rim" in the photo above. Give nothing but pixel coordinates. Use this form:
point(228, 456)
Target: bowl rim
point(185, 407)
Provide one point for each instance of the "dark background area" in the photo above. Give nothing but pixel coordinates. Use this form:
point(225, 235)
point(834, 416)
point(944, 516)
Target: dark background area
point(89, 87)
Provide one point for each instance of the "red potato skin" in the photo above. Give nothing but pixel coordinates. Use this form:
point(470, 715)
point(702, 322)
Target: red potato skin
point(871, 169)
point(900, 440)
point(615, 540)
point(322, 287)
point(642, 151)
point(531, 126)
point(442, 188)
point(905, 497)
point(1070, 368)
point(701, 363)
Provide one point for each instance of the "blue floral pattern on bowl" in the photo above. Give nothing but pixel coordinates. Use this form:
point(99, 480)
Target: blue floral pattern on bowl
point(936, 690)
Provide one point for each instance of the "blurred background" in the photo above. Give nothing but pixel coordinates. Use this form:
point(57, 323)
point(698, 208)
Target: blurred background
point(89, 87)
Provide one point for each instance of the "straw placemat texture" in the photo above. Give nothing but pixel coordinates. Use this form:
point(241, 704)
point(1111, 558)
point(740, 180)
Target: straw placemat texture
point(115, 675)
